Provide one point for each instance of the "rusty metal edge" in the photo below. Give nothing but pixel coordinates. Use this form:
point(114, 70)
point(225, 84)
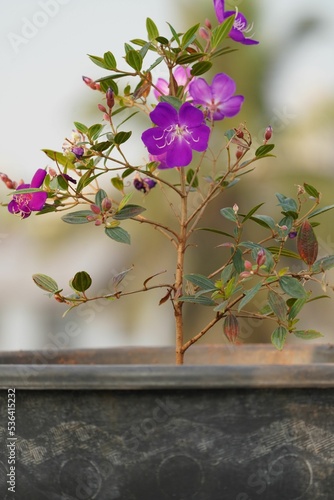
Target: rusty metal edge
point(167, 377)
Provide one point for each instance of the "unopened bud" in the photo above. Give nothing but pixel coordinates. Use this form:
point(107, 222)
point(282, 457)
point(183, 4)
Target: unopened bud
point(268, 133)
point(110, 97)
point(106, 204)
point(90, 83)
point(231, 328)
point(208, 24)
point(248, 265)
point(235, 208)
point(102, 108)
point(78, 151)
point(95, 209)
point(261, 257)
point(98, 222)
point(204, 33)
point(239, 153)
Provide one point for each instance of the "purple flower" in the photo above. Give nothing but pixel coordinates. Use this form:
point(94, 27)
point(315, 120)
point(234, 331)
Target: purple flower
point(26, 203)
point(161, 159)
point(218, 98)
point(181, 75)
point(78, 151)
point(177, 133)
point(144, 185)
point(240, 25)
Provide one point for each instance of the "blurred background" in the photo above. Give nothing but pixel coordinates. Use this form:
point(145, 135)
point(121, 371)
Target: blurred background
point(288, 82)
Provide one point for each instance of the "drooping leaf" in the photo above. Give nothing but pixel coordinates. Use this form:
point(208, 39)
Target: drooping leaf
point(78, 217)
point(204, 301)
point(200, 68)
point(323, 264)
point(278, 305)
point(45, 283)
point(128, 212)
point(192, 178)
point(238, 261)
point(118, 278)
point(251, 212)
point(292, 287)
point(81, 281)
point(200, 281)
point(58, 158)
point(278, 337)
point(284, 252)
point(118, 234)
point(118, 183)
point(249, 295)
point(307, 243)
point(307, 334)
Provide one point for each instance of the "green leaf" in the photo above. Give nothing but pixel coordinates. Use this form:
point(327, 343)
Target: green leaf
point(81, 281)
point(253, 210)
point(249, 295)
point(94, 131)
point(109, 60)
point(238, 261)
point(296, 307)
point(292, 287)
point(117, 183)
point(175, 35)
point(264, 150)
point(287, 204)
point(99, 61)
point(229, 214)
point(58, 158)
point(307, 334)
point(173, 101)
point(204, 301)
point(45, 283)
point(191, 178)
point(189, 36)
point(212, 230)
point(152, 30)
point(321, 211)
point(118, 234)
point(134, 59)
point(162, 40)
point(323, 264)
point(278, 305)
point(312, 191)
point(128, 212)
point(189, 58)
point(265, 220)
point(284, 252)
point(99, 197)
point(86, 179)
point(80, 127)
point(79, 217)
point(278, 337)
point(200, 68)
point(222, 31)
point(102, 146)
point(122, 137)
point(200, 281)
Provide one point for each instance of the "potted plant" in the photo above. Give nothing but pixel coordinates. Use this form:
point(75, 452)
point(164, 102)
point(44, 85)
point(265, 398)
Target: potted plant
point(227, 421)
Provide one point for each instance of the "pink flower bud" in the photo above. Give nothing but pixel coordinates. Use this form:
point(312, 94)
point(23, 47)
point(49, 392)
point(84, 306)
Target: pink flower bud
point(261, 257)
point(268, 133)
point(248, 265)
point(239, 153)
point(95, 209)
point(208, 24)
point(110, 97)
point(106, 204)
point(98, 222)
point(203, 33)
point(245, 274)
point(235, 208)
point(102, 108)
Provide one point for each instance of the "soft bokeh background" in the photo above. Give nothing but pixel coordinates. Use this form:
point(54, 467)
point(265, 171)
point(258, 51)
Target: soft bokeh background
point(288, 81)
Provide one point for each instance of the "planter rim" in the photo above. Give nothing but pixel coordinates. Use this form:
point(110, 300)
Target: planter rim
point(248, 366)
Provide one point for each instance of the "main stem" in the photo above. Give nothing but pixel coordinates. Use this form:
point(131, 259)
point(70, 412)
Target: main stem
point(181, 248)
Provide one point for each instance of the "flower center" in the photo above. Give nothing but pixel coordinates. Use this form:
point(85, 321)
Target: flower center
point(240, 24)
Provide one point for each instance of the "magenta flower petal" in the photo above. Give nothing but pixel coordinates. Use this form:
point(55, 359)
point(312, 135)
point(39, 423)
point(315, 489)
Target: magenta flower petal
point(161, 88)
point(177, 134)
point(218, 98)
point(25, 203)
point(38, 178)
point(240, 25)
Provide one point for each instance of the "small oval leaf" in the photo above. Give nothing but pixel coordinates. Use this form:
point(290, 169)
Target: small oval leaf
point(81, 281)
point(45, 283)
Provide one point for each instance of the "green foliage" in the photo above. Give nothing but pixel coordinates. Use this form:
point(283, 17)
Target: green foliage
point(81, 281)
point(45, 283)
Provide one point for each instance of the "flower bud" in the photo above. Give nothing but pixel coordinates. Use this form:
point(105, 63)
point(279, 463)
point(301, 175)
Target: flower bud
point(235, 208)
point(150, 183)
point(78, 151)
point(110, 97)
point(268, 133)
point(106, 204)
point(90, 83)
point(208, 24)
point(102, 108)
point(203, 33)
point(292, 234)
point(231, 328)
point(248, 265)
point(239, 153)
point(95, 209)
point(261, 257)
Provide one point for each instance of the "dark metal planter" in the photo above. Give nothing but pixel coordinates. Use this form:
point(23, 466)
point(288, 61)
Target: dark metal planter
point(243, 423)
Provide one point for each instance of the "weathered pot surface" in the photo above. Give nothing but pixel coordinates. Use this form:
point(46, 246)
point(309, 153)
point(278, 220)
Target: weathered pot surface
point(240, 423)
